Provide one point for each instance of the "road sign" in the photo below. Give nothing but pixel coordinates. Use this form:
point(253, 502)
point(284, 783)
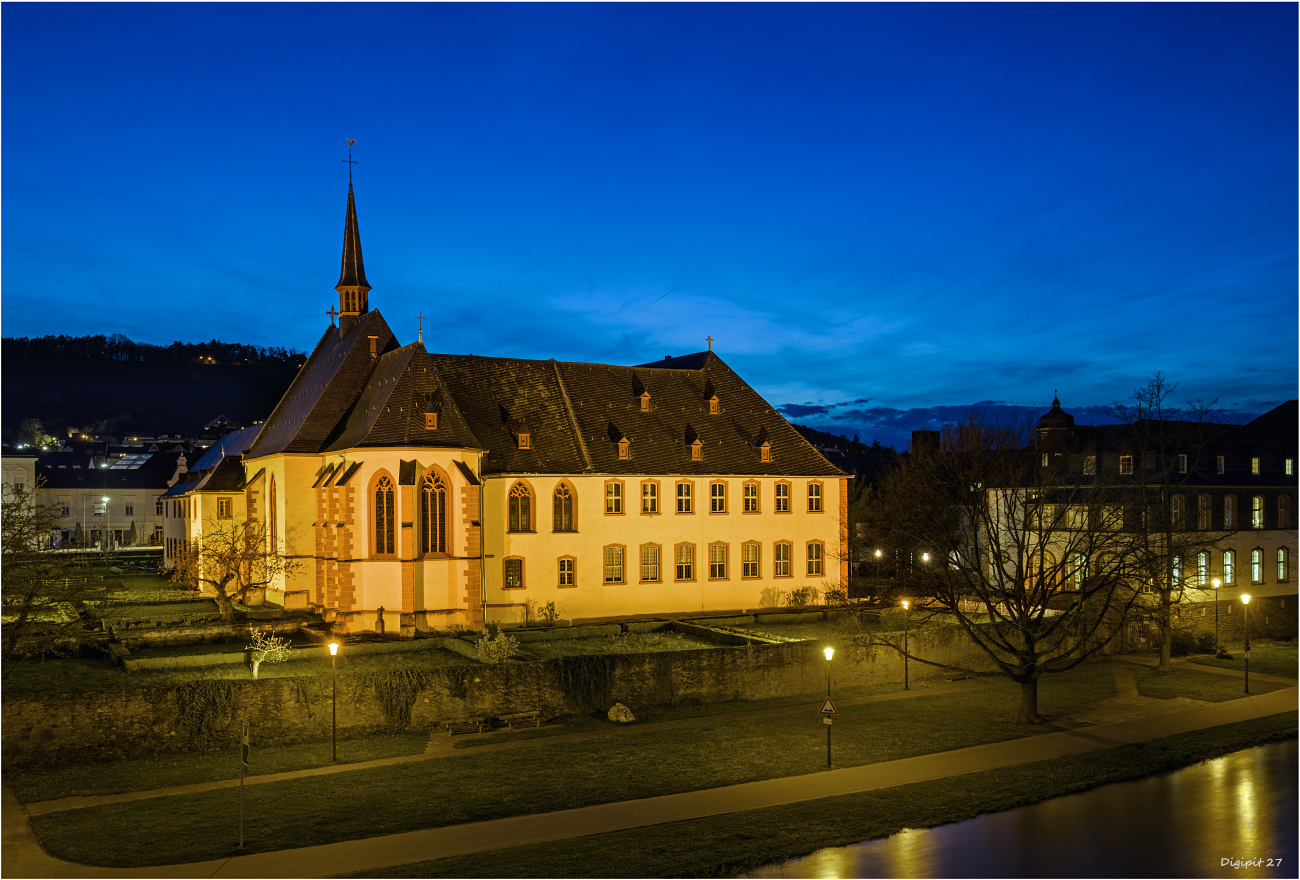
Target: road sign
point(828, 708)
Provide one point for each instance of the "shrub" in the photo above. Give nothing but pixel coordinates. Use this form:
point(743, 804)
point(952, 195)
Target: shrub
point(834, 596)
point(497, 648)
point(1182, 643)
point(267, 648)
point(800, 597)
point(548, 612)
point(1205, 643)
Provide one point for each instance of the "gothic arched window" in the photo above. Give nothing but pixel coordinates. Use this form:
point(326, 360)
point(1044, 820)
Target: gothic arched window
point(433, 514)
point(385, 542)
point(521, 509)
point(563, 508)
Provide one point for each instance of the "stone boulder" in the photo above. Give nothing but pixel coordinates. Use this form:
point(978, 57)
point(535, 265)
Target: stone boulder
point(622, 713)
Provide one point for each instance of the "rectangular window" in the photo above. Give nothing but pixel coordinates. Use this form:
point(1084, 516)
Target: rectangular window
point(685, 562)
point(1126, 464)
point(751, 498)
point(514, 574)
point(649, 563)
point(430, 421)
point(613, 565)
point(782, 504)
point(1090, 465)
point(649, 497)
point(1281, 565)
point(130, 507)
point(567, 574)
point(814, 497)
point(1257, 566)
point(1254, 464)
point(814, 559)
point(158, 507)
point(1229, 566)
point(1182, 464)
point(1046, 460)
point(1257, 511)
point(223, 508)
point(1202, 569)
point(717, 562)
point(683, 497)
point(613, 497)
point(781, 560)
point(1290, 466)
point(1178, 572)
point(1203, 512)
point(1283, 512)
point(65, 506)
point(718, 498)
point(1218, 464)
point(749, 560)
point(1229, 511)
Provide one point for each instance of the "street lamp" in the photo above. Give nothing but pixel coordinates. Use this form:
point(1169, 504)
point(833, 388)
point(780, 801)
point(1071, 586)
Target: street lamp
point(925, 557)
point(105, 522)
point(1245, 601)
point(877, 565)
point(906, 614)
point(334, 701)
point(830, 652)
point(1215, 582)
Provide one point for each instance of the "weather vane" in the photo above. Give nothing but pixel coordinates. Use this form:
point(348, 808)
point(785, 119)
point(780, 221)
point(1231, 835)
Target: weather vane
point(351, 141)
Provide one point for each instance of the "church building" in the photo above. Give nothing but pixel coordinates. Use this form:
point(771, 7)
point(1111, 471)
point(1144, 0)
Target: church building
point(446, 488)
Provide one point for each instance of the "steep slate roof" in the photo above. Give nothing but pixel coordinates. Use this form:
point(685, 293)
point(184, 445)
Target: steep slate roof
point(353, 273)
point(576, 413)
point(390, 411)
point(325, 388)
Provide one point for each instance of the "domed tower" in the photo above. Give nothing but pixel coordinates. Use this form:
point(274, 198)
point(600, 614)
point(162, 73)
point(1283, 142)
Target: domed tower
point(354, 290)
point(1055, 427)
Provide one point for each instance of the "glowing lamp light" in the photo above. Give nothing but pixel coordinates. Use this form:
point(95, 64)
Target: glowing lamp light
point(1245, 598)
point(830, 652)
point(906, 604)
point(105, 498)
point(877, 554)
point(925, 557)
point(334, 648)
point(1216, 583)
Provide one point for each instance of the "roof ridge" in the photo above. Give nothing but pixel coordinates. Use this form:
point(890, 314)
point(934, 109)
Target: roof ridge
point(573, 421)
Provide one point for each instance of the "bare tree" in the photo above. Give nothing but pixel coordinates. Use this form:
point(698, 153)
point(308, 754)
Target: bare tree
point(40, 594)
point(1026, 551)
point(1168, 444)
point(231, 559)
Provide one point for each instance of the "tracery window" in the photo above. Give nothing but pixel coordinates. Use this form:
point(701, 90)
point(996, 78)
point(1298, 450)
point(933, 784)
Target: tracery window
point(433, 514)
point(563, 508)
point(521, 509)
point(385, 529)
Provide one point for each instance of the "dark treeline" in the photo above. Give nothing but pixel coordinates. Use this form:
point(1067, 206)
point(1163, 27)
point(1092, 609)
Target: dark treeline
point(117, 349)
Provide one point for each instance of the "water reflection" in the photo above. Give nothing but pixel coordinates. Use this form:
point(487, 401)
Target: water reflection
point(1181, 824)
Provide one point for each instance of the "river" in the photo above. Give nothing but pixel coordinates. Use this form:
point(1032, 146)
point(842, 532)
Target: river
point(1193, 822)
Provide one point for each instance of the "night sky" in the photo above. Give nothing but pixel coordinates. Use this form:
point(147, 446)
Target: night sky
point(882, 214)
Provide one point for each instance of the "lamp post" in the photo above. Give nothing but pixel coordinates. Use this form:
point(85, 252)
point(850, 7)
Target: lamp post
point(906, 614)
point(334, 701)
point(877, 565)
point(1216, 613)
point(105, 521)
point(1245, 601)
point(830, 652)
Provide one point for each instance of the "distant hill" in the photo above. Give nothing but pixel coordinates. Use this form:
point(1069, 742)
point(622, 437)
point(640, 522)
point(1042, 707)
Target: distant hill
point(866, 461)
point(121, 385)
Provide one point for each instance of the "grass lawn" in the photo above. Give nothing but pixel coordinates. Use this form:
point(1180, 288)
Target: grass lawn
point(143, 774)
point(140, 583)
point(97, 675)
point(627, 643)
point(548, 777)
point(1196, 685)
point(180, 609)
point(738, 842)
point(1278, 662)
point(817, 630)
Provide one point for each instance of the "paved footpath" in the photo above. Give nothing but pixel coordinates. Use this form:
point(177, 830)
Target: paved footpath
point(23, 857)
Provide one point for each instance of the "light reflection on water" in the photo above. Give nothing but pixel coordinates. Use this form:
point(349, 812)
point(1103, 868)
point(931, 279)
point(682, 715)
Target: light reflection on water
point(1180, 824)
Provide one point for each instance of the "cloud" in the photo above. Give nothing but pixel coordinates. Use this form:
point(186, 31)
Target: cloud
point(799, 410)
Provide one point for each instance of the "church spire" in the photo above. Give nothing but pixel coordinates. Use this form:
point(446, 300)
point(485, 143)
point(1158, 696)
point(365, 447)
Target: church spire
point(352, 287)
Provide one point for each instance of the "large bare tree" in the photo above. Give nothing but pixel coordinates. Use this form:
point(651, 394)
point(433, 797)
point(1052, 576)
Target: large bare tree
point(1169, 448)
point(231, 559)
point(1027, 549)
point(40, 593)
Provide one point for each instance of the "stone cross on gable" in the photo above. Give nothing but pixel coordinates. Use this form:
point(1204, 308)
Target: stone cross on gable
point(420, 317)
point(710, 341)
point(332, 312)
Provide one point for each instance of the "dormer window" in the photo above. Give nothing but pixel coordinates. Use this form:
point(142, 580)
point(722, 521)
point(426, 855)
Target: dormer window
point(765, 451)
point(645, 401)
point(713, 405)
point(524, 440)
point(624, 452)
point(431, 421)
point(697, 450)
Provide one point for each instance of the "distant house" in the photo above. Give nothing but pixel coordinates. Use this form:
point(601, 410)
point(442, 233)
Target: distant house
point(110, 498)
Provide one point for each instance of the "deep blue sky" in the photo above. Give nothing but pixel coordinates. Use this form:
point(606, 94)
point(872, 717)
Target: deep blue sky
point(876, 211)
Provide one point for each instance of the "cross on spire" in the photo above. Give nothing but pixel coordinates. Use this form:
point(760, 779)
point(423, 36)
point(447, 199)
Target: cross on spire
point(709, 339)
point(332, 312)
point(349, 160)
point(420, 318)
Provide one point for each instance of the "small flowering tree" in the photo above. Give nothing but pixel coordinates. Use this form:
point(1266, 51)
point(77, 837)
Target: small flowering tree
point(267, 647)
point(495, 647)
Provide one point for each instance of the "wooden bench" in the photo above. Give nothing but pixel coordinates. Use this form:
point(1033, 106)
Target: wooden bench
point(472, 725)
point(532, 719)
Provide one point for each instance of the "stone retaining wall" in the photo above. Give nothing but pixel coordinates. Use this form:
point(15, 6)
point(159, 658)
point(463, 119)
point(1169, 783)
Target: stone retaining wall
point(54, 727)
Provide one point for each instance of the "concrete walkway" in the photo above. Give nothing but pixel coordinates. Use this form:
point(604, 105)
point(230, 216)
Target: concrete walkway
point(22, 856)
point(441, 746)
